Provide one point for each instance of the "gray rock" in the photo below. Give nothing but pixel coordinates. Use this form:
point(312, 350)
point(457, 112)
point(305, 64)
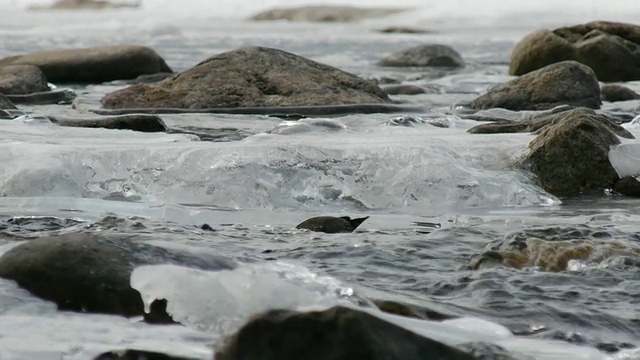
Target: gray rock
point(251, 77)
point(403, 30)
point(563, 83)
point(135, 122)
point(628, 186)
point(6, 104)
point(90, 273)
point(22, 79)
point(425, 55)
point(338, 333)
point(403, 90)
point(611, 49)
point(93, 65)
point(57, 96)
point(616, 92)
point(84, 5)
point(571, 157)
point(325, 13)
point(331, 224)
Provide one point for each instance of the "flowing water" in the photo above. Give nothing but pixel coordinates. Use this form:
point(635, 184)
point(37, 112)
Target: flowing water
point(577, 289)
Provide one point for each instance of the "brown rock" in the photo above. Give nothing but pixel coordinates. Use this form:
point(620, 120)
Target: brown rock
point(325, 13)
point(611, 49)
point(563, 83)
point(22, 79)
point(571, 157)
point(425, 55)
point(616, 92)
point(251, 77)
point(93, 65)
point(135, 122)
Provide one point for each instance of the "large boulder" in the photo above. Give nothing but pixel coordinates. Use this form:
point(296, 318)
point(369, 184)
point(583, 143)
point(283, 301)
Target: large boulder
point(90, 273)
point(563, 83)
point(325, 13)
point(338, 333)
point(571, 157)
point(22, 79)
point(93, 65)
point(611, 49)
point(425, 55)
point(251, 77)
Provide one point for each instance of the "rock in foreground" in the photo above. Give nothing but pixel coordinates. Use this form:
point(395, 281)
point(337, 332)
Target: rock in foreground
point(325, 13)
point(22, 79)
point(93, 65)
point(338, 333)
point(251, 77)
point(89, 273)
point(425, 55)
point(611, 49)
point(563, 83)
point(571, 157)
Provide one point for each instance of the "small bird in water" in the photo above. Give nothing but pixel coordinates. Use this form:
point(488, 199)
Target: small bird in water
point(331, 224)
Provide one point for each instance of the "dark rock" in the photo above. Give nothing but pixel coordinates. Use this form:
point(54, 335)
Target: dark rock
point(324, 13)
point(410, 310)
point(151, 78)
point(615, 92)
point(135, 122)
point(158, 313)
point(487, 351)
point(89, 273)
point(331, 224)
point(338, 333)
point(611, 49)
point(628, 186)
point(62, 96)
point(403, 90)
point(425, 55)
point(22, 79)
point(403, 30)
point(251, 77)
point(537, 124)
point(137, 355)
point(6, 104)
point(93, 65)
point(563, 83)
point(571, 157)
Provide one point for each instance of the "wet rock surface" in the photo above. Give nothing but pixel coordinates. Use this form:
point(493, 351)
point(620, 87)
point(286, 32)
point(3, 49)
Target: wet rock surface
point(137, 355)
point(611, 49)
point(90, 273)
point(330, 334)
point(135, 122)
point(22, 79)
point(6, 104)
point(563, 83)
point(617, 92)
point(404, 90)
point(331, 224)
point(251, 77)
point(93, 65)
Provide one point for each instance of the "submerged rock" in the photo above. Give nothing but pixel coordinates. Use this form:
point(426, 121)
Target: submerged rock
point(331, 224)
point(611, 49)
point(93, 65)
point(251, 77)
point(58, 96)
point(563, 83)
point(403, 90)
point(571, 157)
point(137, 355)
point(135, 122)
point(6, 104)
point(22, 79)
point(325, 13)
point(338, 333)
point(616, 92)
point(89, 273)
point(425, 55)
point(403, 30)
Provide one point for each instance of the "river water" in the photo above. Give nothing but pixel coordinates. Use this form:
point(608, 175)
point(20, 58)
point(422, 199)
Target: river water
point(261, 176)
